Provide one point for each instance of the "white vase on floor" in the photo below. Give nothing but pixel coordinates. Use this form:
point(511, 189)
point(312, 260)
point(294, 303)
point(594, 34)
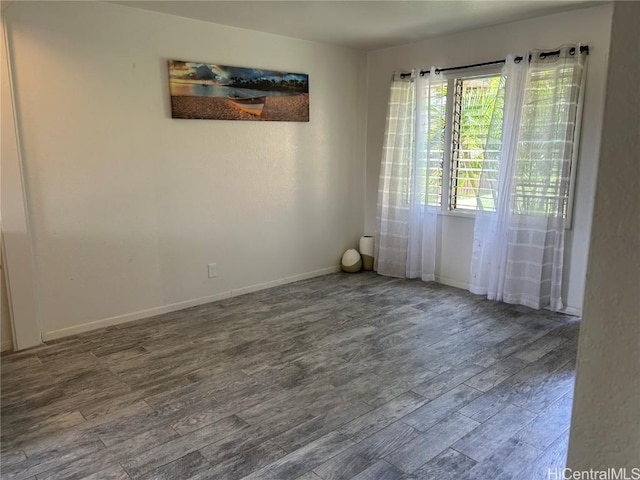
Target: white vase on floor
point(366, 251)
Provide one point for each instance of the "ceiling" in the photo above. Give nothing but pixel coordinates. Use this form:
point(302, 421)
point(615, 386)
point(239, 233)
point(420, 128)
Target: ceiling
point(365, 25)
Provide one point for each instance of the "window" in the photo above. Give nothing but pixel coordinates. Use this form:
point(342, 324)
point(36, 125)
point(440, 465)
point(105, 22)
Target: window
point(471, 108)
point(430, 158)
point(543, 183)
point(482, 141)
point(471, 132)
point(477, 115)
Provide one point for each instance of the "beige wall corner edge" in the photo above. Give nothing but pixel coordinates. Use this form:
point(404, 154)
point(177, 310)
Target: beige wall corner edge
point(605, 424)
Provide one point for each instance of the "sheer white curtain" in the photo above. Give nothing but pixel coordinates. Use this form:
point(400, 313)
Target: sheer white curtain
point(426, 189)
point(411, 177)
point(489, 257)
point(519, 245)
point(390, 257)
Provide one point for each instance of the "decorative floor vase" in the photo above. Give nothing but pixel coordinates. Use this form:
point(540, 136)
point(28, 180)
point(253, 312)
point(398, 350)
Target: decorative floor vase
point(351, 261)
point(366, 251)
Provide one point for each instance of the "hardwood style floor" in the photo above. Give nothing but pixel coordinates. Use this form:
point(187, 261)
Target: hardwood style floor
point(346, 376)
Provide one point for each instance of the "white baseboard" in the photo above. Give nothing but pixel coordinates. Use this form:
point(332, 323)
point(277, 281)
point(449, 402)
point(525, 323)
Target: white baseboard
point(130, 317)
point(451, 282)
point(283, 281)
point(152, 312)
point(6, 345)
point(575, 311)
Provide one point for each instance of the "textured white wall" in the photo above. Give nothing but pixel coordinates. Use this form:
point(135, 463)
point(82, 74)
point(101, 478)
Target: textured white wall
point(592, 26)
point(128, 206)
point(605, 428)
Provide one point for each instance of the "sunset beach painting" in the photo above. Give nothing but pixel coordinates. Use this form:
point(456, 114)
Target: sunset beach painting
point(219, 92)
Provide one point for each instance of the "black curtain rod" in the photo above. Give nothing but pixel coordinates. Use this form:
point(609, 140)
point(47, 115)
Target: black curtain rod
point(583, 49)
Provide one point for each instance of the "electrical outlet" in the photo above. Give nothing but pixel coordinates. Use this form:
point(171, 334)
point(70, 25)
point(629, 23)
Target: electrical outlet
point(213, 270)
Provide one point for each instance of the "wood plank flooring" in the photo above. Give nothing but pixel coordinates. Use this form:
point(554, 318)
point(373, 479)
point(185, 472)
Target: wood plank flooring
point(345, 376)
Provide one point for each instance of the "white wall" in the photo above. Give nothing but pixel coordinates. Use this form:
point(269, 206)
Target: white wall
point(128, 206)
point(591, 26)
point(605, 428)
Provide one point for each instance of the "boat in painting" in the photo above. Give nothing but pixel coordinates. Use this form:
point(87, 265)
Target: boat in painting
point(252, 105)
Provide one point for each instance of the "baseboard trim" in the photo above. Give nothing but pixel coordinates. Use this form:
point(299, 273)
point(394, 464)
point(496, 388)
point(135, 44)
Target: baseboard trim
point(283, 281)
point(451, 282)
point(130, 317)
point(6, 345)
point(574, 311)
point(152, 312)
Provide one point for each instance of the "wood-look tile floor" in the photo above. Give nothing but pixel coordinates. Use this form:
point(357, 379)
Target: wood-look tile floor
point(346, 376)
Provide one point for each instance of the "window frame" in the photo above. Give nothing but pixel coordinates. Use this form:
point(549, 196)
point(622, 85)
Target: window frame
point(448, 160)
point(445, 207)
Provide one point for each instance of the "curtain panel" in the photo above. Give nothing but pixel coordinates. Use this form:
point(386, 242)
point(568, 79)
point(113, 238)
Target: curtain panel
point(426, 181)
point(411, 176)
point(518, 248)
point(390, 257)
